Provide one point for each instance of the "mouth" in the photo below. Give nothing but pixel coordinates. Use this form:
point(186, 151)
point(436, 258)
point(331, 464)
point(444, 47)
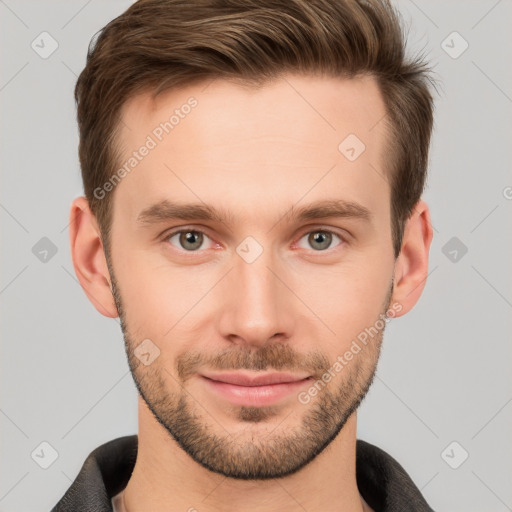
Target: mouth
point(255, 389)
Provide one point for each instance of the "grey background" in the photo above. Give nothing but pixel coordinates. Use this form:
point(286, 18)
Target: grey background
point(444, 374)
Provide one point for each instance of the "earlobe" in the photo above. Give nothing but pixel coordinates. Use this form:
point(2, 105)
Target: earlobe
point(89, 258)
point(411, 266)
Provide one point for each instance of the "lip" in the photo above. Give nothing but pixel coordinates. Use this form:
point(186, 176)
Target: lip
point(254, 379)
point(255, 390)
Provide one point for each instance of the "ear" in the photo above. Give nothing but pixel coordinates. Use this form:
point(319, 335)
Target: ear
point(89, 258)
point(411, 266)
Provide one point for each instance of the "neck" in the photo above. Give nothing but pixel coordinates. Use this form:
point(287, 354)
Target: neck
point(167, 479)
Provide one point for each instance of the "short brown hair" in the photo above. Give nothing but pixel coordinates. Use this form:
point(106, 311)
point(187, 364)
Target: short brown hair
point(156, 45)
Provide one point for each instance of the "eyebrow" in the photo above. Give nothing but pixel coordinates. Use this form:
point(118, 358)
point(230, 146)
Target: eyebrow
point(166, 210)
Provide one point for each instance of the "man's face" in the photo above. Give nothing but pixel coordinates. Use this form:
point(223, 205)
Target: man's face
point(261, 289)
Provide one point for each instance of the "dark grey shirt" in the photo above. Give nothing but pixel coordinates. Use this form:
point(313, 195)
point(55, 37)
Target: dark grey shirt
point(381, 480)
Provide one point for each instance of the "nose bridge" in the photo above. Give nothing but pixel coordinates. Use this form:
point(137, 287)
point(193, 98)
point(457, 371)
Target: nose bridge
point(253, 310)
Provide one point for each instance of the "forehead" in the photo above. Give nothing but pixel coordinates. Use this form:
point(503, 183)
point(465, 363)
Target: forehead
point(328, 104)
point(293, 136)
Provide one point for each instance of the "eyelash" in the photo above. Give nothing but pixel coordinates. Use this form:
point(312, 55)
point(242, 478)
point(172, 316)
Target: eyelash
point(169, 235)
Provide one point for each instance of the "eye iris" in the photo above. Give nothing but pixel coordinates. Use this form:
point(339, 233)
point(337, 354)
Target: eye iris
point(322, 237)
point(188, 237)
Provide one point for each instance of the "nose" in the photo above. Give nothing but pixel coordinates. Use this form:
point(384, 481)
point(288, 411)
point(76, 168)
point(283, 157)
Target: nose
point(256, 305)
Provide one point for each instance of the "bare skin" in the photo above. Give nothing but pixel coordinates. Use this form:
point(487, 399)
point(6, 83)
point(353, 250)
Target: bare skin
point(297, 306)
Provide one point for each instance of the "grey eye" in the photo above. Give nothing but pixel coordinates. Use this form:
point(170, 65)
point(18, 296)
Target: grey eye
point(189, 240)
point(319, 240)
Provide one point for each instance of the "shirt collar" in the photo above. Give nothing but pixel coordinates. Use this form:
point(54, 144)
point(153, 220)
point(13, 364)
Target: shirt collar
point(381, 480)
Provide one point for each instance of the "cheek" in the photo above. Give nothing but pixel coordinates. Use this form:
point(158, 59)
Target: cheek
point(160, 299)
point(352, 299)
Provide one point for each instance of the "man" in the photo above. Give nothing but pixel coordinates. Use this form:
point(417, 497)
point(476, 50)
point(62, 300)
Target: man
point(253, 172)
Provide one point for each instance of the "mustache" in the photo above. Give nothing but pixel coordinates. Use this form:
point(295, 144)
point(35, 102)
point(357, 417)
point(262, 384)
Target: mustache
point(276, 356)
